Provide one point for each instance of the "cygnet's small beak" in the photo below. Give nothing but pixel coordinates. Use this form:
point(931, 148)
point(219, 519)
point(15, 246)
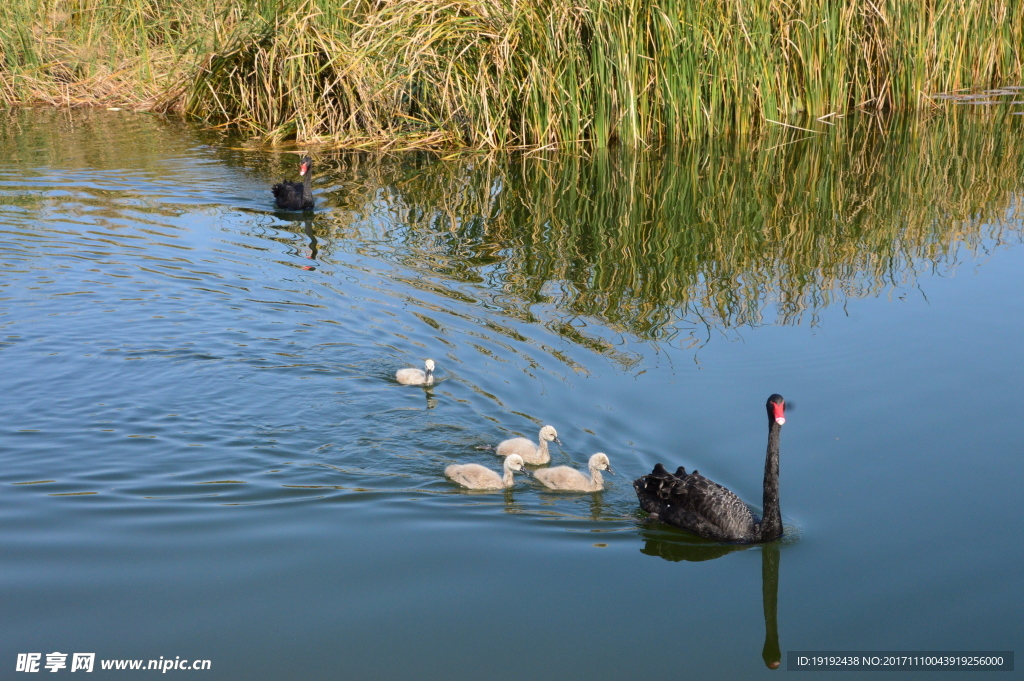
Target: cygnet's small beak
point(524, 471)
point(609, 469)
point(557, 441)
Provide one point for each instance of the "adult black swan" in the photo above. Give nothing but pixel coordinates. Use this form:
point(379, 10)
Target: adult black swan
point(709, 510)
point(296, 195)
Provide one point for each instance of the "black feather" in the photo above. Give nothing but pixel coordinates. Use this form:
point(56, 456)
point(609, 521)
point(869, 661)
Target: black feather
point(296, 195)
point(709, 510)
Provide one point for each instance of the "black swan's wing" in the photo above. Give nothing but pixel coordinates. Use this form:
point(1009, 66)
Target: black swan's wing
point(658, 485)
point(719, 506)
point(290, 195)
point(695, 504)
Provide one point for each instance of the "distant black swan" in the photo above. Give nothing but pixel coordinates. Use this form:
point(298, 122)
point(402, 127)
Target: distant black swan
point(707, 509)
point(296, 195)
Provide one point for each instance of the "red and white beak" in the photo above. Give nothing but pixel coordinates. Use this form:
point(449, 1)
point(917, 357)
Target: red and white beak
point(779, 413)
point(303, 167)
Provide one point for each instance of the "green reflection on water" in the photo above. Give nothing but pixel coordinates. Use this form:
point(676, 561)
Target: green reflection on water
point(680, 241)
point(665, 245)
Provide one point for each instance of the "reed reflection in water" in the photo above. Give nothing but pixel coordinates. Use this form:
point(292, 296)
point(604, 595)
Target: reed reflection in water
point(674, 244)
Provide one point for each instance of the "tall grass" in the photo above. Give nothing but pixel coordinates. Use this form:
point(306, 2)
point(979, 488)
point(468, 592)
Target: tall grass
point(506, 73)
point(95, 52)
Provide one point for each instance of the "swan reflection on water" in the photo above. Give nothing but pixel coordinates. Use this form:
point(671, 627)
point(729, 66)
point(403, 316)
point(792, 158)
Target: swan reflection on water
point(428, 392)
point(675, 546)
point(596, 508)
point(312, 249)
point(314, 245)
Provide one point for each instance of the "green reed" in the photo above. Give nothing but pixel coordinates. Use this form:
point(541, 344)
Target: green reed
point(96, 52)
point(505, 73)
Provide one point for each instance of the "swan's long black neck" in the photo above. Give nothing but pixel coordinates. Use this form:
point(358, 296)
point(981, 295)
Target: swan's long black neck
point(771, 523)
point(307, 184)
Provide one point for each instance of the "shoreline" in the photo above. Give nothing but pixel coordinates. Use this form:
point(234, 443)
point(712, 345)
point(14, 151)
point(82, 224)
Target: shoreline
point(411, 74)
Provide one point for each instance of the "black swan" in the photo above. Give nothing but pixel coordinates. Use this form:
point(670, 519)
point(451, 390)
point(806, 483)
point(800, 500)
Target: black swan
point(296, 195)
point(709, 510)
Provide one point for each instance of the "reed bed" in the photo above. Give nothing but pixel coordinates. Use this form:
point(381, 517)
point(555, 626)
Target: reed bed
point(99, 52)
point(503, 74)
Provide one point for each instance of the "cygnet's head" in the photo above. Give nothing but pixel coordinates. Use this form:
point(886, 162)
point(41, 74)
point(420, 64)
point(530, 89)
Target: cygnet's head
point(515, 462)
point(429, 364)
point(548, 433)
point(601, 463)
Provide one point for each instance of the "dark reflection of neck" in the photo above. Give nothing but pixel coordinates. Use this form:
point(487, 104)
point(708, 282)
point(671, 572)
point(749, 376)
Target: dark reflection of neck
point(313, 243)
point(676, 546)
point(770, 598)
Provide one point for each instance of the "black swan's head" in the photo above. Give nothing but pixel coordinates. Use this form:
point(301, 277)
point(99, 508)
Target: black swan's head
point(305, 165)
point(776, 409)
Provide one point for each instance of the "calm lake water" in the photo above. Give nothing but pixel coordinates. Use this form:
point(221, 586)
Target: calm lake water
point(204, 455)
